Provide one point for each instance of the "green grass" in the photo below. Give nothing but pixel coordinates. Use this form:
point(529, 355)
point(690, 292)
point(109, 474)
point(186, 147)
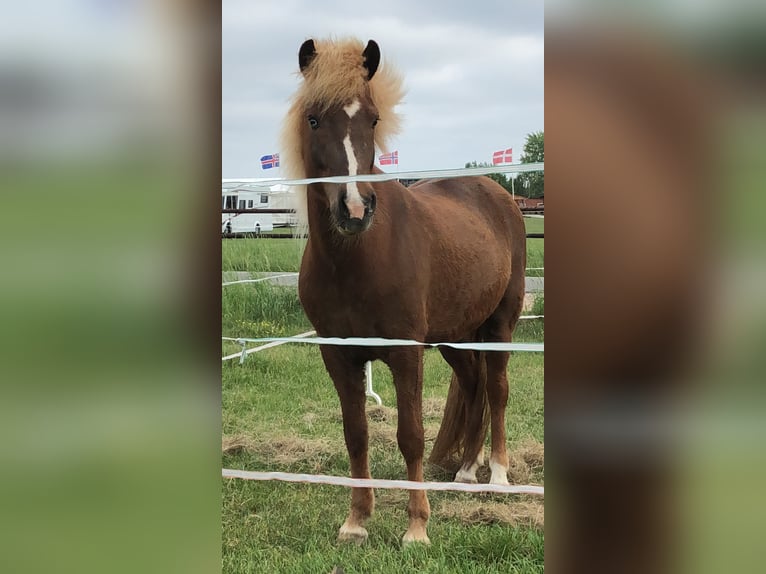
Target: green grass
point(261, 310)
point(303, 540)
point(261, 254)
point(535, 247)
point(283, 407)
point(283, 396)
point(285, 254)
point(534, 224)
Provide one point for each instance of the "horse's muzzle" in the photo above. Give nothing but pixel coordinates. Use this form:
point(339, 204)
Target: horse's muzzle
point(348, 225)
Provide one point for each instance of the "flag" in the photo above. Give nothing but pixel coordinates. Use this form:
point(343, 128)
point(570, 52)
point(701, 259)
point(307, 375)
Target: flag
point(390, 158)
point(269, 161)
point(502, 156)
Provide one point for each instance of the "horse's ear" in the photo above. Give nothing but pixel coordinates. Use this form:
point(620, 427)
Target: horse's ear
point(306, 54)
point(371, 58)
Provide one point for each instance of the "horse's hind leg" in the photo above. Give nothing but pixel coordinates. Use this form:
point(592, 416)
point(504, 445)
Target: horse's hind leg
point(467, 367)
point(497, 393)
point(499, 327)
point(347, 374)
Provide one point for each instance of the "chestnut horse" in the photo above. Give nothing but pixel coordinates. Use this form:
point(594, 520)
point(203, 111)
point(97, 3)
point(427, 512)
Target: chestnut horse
point(442, 261)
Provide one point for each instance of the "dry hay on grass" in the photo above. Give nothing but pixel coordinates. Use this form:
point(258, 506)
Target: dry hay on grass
point(381, 413)
point(382, 434)
point(283, 450)
point(524, 460)
point(531, 452)
point(391, 498)
point(433, 407)
point(309, 419)
point(237, 443)
point(382, 426)
point(383, 420)
point(529, 513)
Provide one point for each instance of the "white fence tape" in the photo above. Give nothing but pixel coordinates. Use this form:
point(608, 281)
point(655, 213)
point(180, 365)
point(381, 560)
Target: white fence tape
point(374, 342)
point(381, 342)
point(427, 174)
point(259, 280)
point(380, 483)
point(295, 274)
point(242, 354)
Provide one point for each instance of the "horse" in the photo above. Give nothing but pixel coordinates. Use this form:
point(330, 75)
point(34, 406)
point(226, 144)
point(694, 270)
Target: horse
point(440, 261)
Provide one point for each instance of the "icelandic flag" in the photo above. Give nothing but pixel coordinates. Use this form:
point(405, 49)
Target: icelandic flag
point(269, 161)
point(502, 156)
point(390, 158)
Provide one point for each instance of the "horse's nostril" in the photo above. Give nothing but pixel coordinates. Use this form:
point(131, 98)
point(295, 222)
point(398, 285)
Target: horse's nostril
point(372, 203)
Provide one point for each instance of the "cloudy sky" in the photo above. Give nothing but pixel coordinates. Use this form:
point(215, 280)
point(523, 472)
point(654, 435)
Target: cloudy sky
point(473, 74)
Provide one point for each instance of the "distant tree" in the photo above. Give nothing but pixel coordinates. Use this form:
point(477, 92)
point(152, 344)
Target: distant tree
point(498, 177)
point(532, 184)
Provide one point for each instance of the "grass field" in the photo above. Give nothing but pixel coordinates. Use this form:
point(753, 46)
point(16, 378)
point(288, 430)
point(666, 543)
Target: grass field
point(285, 254)
point(280, 412)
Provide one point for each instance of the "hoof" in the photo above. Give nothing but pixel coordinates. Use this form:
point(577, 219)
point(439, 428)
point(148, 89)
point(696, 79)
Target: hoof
point(501, 479)
point(352, 534)
point(413, 539)
point(465, 477)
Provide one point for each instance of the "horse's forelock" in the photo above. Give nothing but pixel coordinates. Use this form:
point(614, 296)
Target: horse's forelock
point(336, 76)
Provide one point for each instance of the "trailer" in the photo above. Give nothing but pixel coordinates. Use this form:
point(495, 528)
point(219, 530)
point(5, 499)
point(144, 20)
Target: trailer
point(246, 222)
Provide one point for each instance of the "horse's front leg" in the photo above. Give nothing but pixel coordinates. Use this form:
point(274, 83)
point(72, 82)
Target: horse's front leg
point(407, 368)
point(347, 374)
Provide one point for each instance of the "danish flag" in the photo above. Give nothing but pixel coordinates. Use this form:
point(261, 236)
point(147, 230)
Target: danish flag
point(502, 156)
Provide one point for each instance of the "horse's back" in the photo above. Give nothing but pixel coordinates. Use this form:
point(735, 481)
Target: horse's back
point(465, 199)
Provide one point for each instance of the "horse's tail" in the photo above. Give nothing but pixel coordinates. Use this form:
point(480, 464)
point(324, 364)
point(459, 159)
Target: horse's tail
point(452, 440)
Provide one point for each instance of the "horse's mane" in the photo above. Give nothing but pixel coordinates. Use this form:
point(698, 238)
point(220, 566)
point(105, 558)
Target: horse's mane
point(336, 76)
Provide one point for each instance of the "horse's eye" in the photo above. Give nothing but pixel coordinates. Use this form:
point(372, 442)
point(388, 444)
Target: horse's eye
point(313, 122)
point(375, 122)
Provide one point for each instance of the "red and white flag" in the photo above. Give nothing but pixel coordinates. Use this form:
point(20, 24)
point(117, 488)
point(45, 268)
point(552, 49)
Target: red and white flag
point(389, 158)
point(502, 156)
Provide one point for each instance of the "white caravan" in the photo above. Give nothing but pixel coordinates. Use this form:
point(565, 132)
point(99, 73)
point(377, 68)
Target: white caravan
point(245, 222)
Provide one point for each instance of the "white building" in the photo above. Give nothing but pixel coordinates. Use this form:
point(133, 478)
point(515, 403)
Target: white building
point(273, 197)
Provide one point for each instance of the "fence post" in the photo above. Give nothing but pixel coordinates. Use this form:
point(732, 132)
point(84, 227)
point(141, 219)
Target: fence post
point(368, 380)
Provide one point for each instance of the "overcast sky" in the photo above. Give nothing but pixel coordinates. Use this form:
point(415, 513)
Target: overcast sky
point(473, 74)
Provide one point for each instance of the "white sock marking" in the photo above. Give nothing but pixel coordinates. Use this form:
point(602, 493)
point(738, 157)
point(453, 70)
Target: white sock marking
point(499, 473)
point(467, 473)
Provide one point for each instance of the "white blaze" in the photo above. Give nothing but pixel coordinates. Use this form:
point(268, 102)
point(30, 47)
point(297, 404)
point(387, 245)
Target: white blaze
point(352, 108)
point(354, 201)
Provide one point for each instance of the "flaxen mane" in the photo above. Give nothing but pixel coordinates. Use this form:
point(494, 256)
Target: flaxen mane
point(336, 76)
